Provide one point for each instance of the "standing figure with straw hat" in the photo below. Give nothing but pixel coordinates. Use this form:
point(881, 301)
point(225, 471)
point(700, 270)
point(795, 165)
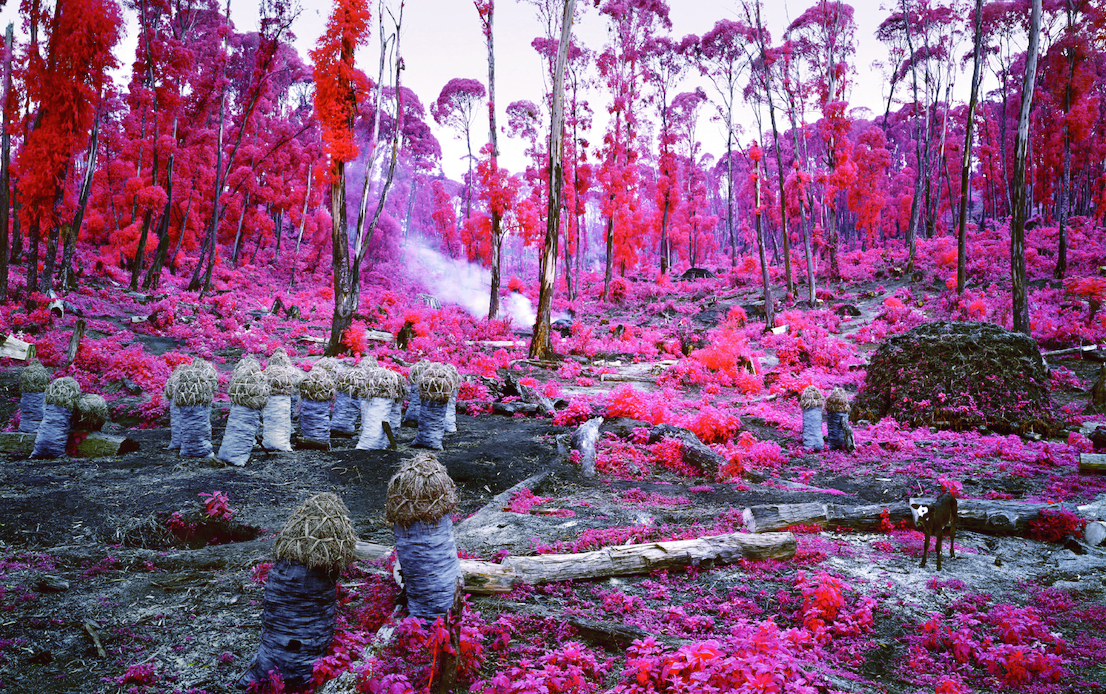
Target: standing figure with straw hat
point(33, 380)
point(411, 416)
point(317, 391)
point(297, 624)
point(421, 500)
point(436, 385)
point(249, 394)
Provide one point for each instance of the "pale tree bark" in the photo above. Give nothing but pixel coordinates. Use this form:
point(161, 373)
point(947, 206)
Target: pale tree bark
point(915, 203)
point(347, 294)
point(73, 229)
point(148, 79)
point(763, 66)
point(208, 249)
point(303, 222)
point(1018, 288)
point(769, 312)
point(1065, 183)
point(966, 164)
point(161, 253)
point(789, 278)
point(540, 346)
point(799, 153)
point(5, 153)
point(237, 248)
point(497, 222)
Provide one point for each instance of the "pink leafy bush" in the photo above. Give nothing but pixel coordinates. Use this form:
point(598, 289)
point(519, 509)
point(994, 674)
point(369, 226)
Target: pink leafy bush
point(712, 425)
point(570, 670)
point(755, 657)
point(524, 501)
point(636, 497)
point(750, 453)
point(217, 505)
point(627, 401)
point(1012, 645)
point(1055, 526)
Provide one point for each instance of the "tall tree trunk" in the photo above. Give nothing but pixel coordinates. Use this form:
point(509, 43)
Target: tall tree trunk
point(303, 221)
point(765, 67)
point(347, 275)
point(153, 274)
point(32, 258)
point(729, 192)
point(808, 252)
point(966, 163)
point(74, 228)
point(140, 253)
point(339, 241)
point(497, 221)
point(790, 280)
point(278, 226)
point(241, 224)
point(915, 203)
point(17, 229)
point(213, 224)
point(568, 258)
point(410, 207)
point(540, 345)
point(1019, 290)
point(46, 282)
point(1065, 184)
point(183, 226)
point(5, 153)
point(608, 272)
point(769, 312)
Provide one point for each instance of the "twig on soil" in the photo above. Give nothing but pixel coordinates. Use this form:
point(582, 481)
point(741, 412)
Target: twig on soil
point(91, 627)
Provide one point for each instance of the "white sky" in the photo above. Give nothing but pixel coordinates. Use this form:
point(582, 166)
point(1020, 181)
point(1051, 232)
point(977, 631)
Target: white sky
point(442, 40)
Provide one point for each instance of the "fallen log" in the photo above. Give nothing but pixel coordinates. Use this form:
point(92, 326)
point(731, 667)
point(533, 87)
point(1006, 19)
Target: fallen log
point(626, 560)
point(584, 440)
point(991, 517)
point(495, 344)
point(98, 445)
point(626, 378)
point(775, 517)
point(621, 560)
point(1092, 462)
point(480, 576)
point(17, 349)
point(499, 502)
point(1070, 350)
point(95, 445)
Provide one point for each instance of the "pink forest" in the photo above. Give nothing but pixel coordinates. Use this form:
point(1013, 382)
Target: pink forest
point(764, 355)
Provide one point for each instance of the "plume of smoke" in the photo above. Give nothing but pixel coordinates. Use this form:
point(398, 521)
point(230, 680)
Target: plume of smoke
point(457, 281)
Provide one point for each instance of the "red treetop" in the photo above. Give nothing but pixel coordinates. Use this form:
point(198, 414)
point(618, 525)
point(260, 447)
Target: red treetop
point(66, 86)
point(337, 81)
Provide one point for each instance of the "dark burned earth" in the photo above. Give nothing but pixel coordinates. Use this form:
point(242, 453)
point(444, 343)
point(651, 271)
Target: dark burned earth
point(94, 583)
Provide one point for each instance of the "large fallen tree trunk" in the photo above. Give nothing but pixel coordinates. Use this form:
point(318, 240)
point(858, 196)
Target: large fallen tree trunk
point(1092, 462)
point(774, 517)
point(96, 445)
point(621, 560)
point(991, 517)
point(625, 560)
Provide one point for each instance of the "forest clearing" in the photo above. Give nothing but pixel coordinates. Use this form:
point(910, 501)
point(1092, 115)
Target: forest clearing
point(289, 404)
